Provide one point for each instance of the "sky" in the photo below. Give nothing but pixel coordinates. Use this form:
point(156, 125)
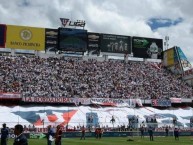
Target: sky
point(145, 18)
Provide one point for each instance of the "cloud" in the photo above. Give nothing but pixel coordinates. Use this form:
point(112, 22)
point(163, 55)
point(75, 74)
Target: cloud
point(125, 17)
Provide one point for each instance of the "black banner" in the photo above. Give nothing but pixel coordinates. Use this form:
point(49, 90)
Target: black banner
point(93, 43)
point(2, 35)
point(51, 39)
point(72, 39)
point(115, 43)
point(147, 47)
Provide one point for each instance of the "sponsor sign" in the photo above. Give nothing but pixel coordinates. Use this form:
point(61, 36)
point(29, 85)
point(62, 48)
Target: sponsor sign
point(93, 43)
point(115, 43)
point(161, 102)
point(169, 57)
point(11, 135)
point(2, 35)
point(105, 134)
point(22, 37)
point(51, 39)
point(72, 40)
point(36, 135)
point(147, 47)
point(123, 134)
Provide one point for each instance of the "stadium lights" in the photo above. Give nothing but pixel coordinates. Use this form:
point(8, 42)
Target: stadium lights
point(166, 44)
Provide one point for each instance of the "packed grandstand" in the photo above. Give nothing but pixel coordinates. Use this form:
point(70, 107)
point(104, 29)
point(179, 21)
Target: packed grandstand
point(59, 77)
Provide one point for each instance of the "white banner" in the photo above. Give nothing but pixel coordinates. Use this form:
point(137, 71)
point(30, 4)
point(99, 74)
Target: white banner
point(86, 101)
point(10, 96)
point(114, 102)
point(176, 100)
point(42, 116)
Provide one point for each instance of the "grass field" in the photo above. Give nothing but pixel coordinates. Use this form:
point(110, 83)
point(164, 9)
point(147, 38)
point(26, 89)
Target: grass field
point(115, 141)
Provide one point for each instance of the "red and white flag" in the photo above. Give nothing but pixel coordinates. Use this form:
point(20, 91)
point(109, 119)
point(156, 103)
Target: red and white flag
point(155, 65)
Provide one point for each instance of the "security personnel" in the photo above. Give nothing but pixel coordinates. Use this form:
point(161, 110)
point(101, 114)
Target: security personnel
point(21, 138)
point(4, 134)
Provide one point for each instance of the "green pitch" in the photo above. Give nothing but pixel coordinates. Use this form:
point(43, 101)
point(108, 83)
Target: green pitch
point(115, 141)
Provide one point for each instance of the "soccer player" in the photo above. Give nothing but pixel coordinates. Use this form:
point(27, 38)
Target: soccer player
point(58, 135)
point(21, 138)
point(4, 134)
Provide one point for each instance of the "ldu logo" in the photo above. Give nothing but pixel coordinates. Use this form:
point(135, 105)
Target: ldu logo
point(26, 34)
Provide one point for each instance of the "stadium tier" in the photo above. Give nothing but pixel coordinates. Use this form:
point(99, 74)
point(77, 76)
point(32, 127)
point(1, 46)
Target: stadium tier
point(70, 78)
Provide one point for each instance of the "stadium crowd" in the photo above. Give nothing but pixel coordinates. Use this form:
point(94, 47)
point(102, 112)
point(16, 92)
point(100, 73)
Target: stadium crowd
point(58, 77)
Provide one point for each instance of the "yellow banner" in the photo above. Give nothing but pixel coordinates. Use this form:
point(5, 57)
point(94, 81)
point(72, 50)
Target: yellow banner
point(29, 38)
point(170, 57)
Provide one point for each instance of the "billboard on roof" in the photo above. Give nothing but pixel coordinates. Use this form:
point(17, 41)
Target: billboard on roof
point(23, 37)
point(115, 43)
point(143, 47)
point(51, 39)
point(72, 39)
point(93, 43)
